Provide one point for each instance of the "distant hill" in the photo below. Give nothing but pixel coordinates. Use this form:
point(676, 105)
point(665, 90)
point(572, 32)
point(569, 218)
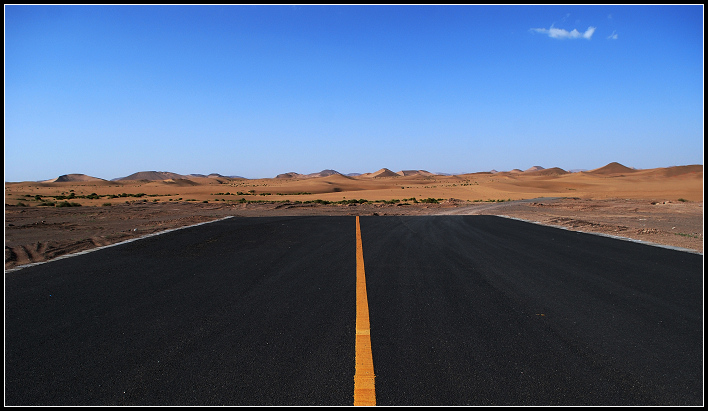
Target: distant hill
point(612, 168)
point(291, 174)
point(323, 173)
point(212, 175)
point(554, 171)
point(384, 172)
point(674, 171)
point(534, 168)
point(152, 176)
point(414, 173)
point(680, 170)
point(73, 177)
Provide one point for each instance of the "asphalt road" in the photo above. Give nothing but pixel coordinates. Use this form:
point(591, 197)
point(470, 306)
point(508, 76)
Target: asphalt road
point(482, 310)
point(476, 310)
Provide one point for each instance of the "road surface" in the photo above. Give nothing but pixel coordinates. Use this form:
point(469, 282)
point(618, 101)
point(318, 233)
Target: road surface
point(476, 310)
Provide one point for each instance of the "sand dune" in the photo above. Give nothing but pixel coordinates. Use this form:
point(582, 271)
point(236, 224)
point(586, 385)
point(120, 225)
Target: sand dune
point(534, 168)
point(180, 200)
point(612, 168)
point(611, 181)
point(182, 182)
point(693, 170)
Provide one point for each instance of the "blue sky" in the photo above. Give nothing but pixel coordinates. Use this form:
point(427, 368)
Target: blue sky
point(256, 91)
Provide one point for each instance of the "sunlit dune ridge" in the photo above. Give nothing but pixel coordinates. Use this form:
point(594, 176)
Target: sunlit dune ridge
point(611, 181)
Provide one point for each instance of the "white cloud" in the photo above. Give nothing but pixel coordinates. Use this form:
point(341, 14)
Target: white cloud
point(565, 34)
point(612, 36)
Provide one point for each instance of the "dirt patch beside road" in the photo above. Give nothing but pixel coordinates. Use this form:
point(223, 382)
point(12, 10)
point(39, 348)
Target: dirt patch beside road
point(35, 234)
point(673, 223)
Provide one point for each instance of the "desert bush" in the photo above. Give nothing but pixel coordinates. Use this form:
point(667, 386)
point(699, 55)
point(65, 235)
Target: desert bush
point(688, 235)
point(68, 204)
point(107, 204)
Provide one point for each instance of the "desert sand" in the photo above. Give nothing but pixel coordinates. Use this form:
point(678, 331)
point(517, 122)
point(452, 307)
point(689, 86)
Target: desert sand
point(74, 212)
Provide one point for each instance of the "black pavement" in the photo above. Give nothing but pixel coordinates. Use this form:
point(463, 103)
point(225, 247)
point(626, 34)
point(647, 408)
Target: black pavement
point(474, 310)
point(484, 310)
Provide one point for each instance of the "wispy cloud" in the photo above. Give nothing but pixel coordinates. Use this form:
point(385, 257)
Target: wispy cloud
point(612, 36)
point(565, 34)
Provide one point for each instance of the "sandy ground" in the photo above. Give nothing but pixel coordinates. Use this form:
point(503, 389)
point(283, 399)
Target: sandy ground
point(35, 234)
point(662, 205)
point(672, 223)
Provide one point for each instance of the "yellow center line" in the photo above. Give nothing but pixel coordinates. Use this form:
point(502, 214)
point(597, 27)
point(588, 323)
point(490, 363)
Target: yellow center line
point(364, 392)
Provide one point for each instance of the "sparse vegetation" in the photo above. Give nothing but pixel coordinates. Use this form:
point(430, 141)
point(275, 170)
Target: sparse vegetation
point(491, 200)
point(688, 235)
point(68, 204)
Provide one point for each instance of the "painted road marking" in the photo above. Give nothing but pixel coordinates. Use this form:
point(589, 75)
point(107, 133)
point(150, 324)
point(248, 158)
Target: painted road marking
point(364, 390)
